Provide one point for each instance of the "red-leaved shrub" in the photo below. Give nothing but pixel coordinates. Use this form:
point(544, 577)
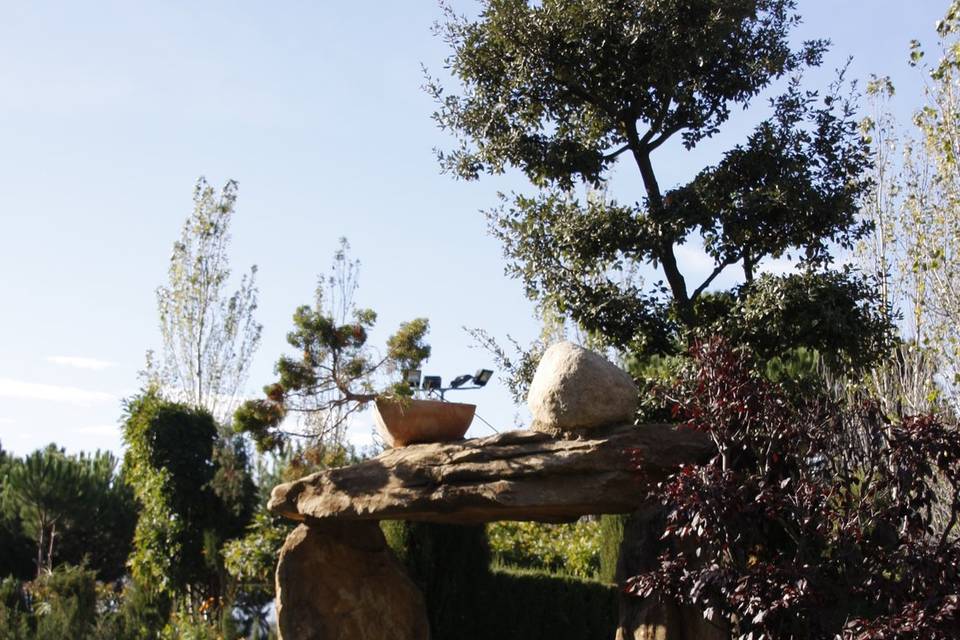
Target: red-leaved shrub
point(814, 519)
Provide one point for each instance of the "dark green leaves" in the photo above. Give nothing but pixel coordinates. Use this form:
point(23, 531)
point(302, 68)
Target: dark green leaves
point(562, 89)
point(554, 87)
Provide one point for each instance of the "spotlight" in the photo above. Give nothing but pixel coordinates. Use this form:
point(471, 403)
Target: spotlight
point(412, 377)
point(431, 383)
point(482, 377)
point(459, 381)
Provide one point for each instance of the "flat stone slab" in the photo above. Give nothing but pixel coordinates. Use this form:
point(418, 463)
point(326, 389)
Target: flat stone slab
point(516, 475)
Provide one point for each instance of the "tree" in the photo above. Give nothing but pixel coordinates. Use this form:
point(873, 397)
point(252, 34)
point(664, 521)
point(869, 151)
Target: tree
point(564, 90)
point(915, 249)
point(100, 525)
point(334, 374)
point(46, 486)
point(184, 519)
point(16, 551)
point(209, 336)
point(76, 508)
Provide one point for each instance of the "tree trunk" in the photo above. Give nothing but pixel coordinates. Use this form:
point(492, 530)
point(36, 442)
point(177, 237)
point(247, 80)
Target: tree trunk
point(40, 545)
point(53, 535)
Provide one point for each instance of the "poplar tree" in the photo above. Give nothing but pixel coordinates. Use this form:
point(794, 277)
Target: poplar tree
point(209, 333)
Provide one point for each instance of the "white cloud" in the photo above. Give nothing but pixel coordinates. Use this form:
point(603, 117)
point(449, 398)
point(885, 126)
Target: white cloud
point(7, 421)
point(92, 364)
point(53, 393)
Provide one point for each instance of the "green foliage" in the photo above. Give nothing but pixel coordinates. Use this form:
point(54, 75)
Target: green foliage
point(571, 549)
point(405, 348)
point(531, 605)
point(99, 529)
point(252, 559)
point(44, 486)
point(915, 248)
point(185, 626)
point(58, 604)
point(209, 335)
point(14, 610)
point(93, 534)
point(333, 374)
point(449, 564)
point(65, 603)
point(563, 90)
point(140, 615)
point(837, 314)
point(75, 508)
point(611, 536)
point(468, 601)
point(170, 465)
point(549, 87)
point(17, 552)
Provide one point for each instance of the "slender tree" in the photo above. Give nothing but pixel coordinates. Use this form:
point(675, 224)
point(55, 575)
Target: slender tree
point(209, 334)
point(915, 249)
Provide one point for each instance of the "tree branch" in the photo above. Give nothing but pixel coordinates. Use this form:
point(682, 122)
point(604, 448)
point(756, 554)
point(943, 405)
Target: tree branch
point(666, 135)
point(611, 156)
point(706, 283)
point(665, 254)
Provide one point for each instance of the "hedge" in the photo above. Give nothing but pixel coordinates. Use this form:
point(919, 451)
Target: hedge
point(467, 600)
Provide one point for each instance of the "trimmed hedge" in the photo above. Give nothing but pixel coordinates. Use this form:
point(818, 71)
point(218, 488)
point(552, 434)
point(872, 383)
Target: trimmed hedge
point(466, 600)
point(611, 536)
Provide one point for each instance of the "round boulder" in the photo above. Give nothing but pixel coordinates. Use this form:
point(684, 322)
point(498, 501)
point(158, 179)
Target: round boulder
point(575, 388)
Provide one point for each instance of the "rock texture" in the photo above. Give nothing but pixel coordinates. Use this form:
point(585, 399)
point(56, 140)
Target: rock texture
point(519, 475)
point(574, 388)
point(339, 581)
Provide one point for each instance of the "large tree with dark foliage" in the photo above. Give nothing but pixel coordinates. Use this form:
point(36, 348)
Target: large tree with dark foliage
point(564, 90)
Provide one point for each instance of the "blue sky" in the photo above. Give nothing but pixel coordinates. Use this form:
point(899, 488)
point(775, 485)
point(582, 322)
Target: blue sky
point(111, 110)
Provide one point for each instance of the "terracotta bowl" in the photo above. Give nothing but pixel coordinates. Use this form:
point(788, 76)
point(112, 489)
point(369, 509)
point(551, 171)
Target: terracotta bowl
point(412, 421)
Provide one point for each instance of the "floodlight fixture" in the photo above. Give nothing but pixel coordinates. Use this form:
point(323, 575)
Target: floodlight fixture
point(412, 377)
point(482, 377)
point(459, 381)
point(432, 383)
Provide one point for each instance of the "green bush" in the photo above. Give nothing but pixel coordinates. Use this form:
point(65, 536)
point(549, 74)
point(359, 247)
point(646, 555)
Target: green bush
point(449, 564)
point(65, 603)
point(14, 610)
point(533, 605)
point(57, 605)
point(611, 535)
point(566, 549)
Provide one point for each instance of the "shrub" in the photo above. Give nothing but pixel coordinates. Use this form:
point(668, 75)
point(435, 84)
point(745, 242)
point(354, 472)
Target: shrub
point(14, 610)
point(611, 536)
point(533, 605)
point(65, 602)
point(572, 549)
point(814, 519)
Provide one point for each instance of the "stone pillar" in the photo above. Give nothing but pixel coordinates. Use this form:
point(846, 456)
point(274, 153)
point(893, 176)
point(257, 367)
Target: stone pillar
point(340, 581)
point(647, 618)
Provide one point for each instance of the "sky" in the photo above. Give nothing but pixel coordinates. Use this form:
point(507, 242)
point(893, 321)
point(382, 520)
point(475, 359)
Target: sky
point(112, 110)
